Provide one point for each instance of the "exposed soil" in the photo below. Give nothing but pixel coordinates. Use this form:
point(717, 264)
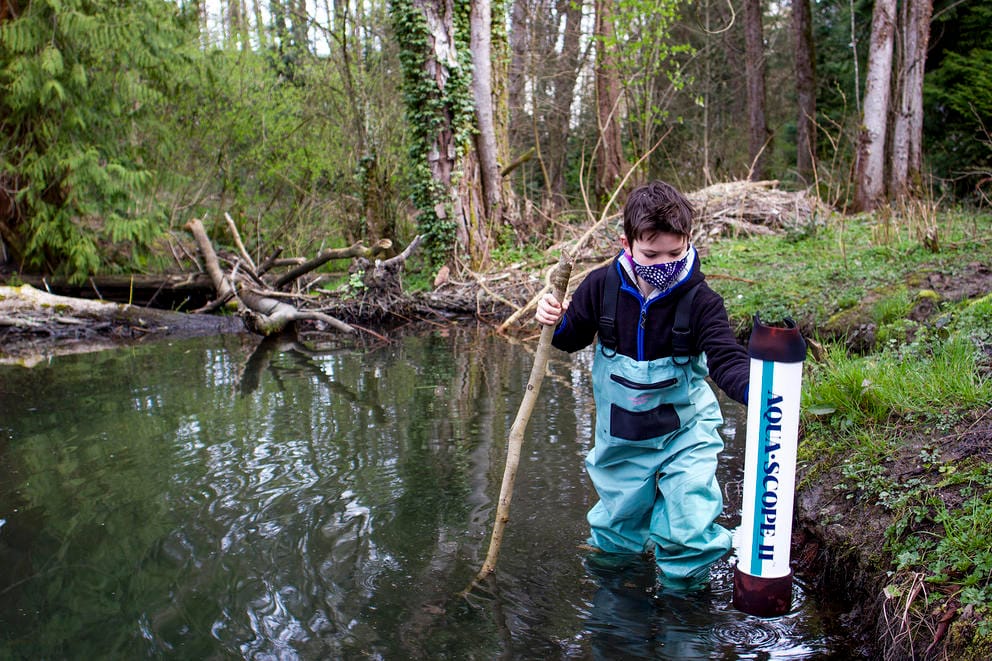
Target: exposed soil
point(855, 325)
point(971, 281)
point(841, 531)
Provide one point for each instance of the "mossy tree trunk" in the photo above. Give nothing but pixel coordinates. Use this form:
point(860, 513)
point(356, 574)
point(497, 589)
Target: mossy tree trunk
point(460, 191)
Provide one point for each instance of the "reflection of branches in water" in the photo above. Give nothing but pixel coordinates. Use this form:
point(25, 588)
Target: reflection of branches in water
point(468, 382)
point(434, 612)
point(304, 356)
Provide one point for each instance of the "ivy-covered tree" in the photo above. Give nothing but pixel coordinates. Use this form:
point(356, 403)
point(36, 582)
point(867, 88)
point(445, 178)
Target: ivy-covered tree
point(78, 80)
point(435, 38)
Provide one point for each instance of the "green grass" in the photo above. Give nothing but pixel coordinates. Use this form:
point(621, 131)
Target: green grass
point(813, 275)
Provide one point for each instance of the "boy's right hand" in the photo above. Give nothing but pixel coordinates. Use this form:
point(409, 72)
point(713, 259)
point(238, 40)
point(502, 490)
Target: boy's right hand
point(549, 310)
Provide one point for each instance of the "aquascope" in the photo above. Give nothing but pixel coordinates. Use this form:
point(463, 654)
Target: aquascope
point(762, 576)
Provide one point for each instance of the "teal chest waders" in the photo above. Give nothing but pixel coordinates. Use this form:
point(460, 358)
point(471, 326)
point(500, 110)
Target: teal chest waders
point(655, 456)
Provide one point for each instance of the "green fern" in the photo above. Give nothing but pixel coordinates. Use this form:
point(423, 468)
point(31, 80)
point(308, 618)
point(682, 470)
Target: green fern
point(74, 75)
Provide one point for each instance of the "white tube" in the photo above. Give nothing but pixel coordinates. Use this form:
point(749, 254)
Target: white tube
point(770, 457)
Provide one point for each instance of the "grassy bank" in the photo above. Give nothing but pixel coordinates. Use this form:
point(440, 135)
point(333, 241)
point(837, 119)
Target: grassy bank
point(896, 443)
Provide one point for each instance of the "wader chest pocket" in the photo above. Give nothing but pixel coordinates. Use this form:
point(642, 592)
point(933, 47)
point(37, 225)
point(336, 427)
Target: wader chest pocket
point(667, 383)
point(642, 425)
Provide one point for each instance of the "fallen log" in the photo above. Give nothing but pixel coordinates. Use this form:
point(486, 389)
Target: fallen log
point(35, 324)
point(177, 291)
point(268, 316)
point(357, 250)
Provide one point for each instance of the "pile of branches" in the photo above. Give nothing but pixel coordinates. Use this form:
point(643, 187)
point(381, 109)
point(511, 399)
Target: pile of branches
point(271, 303)
point(727, 209)
point(746, 208)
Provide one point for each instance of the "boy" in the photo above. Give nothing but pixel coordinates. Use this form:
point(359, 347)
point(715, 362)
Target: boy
point(661, 331)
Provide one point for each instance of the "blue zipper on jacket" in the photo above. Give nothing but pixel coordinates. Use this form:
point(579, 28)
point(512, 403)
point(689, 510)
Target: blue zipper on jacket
point(642, 319)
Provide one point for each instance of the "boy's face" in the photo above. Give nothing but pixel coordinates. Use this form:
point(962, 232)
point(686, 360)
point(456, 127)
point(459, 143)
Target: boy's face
point(658, 248)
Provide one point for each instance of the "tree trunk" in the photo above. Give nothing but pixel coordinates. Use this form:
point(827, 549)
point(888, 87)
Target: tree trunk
point(707, 171)
point(907, 133)
point(565, 74)
point(500, 52)
point(754, 71)
point(517, 78)
point(482, 91)
point(609, 153)
point(439, 94)
point(921, 16)
point(870, 167)
point(802, 30)
point(443, 151)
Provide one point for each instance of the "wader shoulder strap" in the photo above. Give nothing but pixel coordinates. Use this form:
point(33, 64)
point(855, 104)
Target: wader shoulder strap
point(682, 330)
point(608, 314)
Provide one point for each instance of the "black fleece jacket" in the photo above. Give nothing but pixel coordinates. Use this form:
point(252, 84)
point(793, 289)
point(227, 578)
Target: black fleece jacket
point(728, 361)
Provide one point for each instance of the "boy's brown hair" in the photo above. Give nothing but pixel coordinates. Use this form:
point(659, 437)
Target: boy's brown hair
point(656, 207)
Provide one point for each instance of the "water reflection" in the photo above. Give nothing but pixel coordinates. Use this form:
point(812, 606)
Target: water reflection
point(225, 498)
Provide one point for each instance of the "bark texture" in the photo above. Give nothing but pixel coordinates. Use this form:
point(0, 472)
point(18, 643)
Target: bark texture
point(611, 165)
point(754, 68)
point(907, 132)
point(482, 91)
point(805, 67)
point(870, 169)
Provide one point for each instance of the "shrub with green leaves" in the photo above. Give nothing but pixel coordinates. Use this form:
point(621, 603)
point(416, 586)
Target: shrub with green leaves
point(77, 79)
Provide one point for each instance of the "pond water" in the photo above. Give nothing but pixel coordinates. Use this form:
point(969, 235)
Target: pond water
point(218, 498)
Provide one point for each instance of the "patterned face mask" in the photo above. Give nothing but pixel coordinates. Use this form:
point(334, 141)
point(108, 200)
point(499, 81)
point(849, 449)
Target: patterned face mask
point(663, 276)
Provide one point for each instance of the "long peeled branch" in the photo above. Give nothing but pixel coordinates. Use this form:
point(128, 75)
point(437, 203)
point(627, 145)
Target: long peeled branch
point(559, 281)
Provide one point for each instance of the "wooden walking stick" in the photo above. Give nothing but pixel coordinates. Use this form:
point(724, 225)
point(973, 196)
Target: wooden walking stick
point(559, 285)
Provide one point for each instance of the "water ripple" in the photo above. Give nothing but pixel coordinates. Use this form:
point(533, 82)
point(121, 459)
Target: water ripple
point(752, 634)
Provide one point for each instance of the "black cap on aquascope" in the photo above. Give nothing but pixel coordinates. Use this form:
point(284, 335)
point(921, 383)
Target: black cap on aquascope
point(781, 344)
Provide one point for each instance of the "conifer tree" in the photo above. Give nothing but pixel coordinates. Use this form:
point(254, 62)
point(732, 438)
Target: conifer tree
point(78, 79)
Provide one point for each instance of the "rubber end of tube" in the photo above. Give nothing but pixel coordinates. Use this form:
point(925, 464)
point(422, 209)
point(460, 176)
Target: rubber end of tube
point(781, 344)
point(764, 597)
